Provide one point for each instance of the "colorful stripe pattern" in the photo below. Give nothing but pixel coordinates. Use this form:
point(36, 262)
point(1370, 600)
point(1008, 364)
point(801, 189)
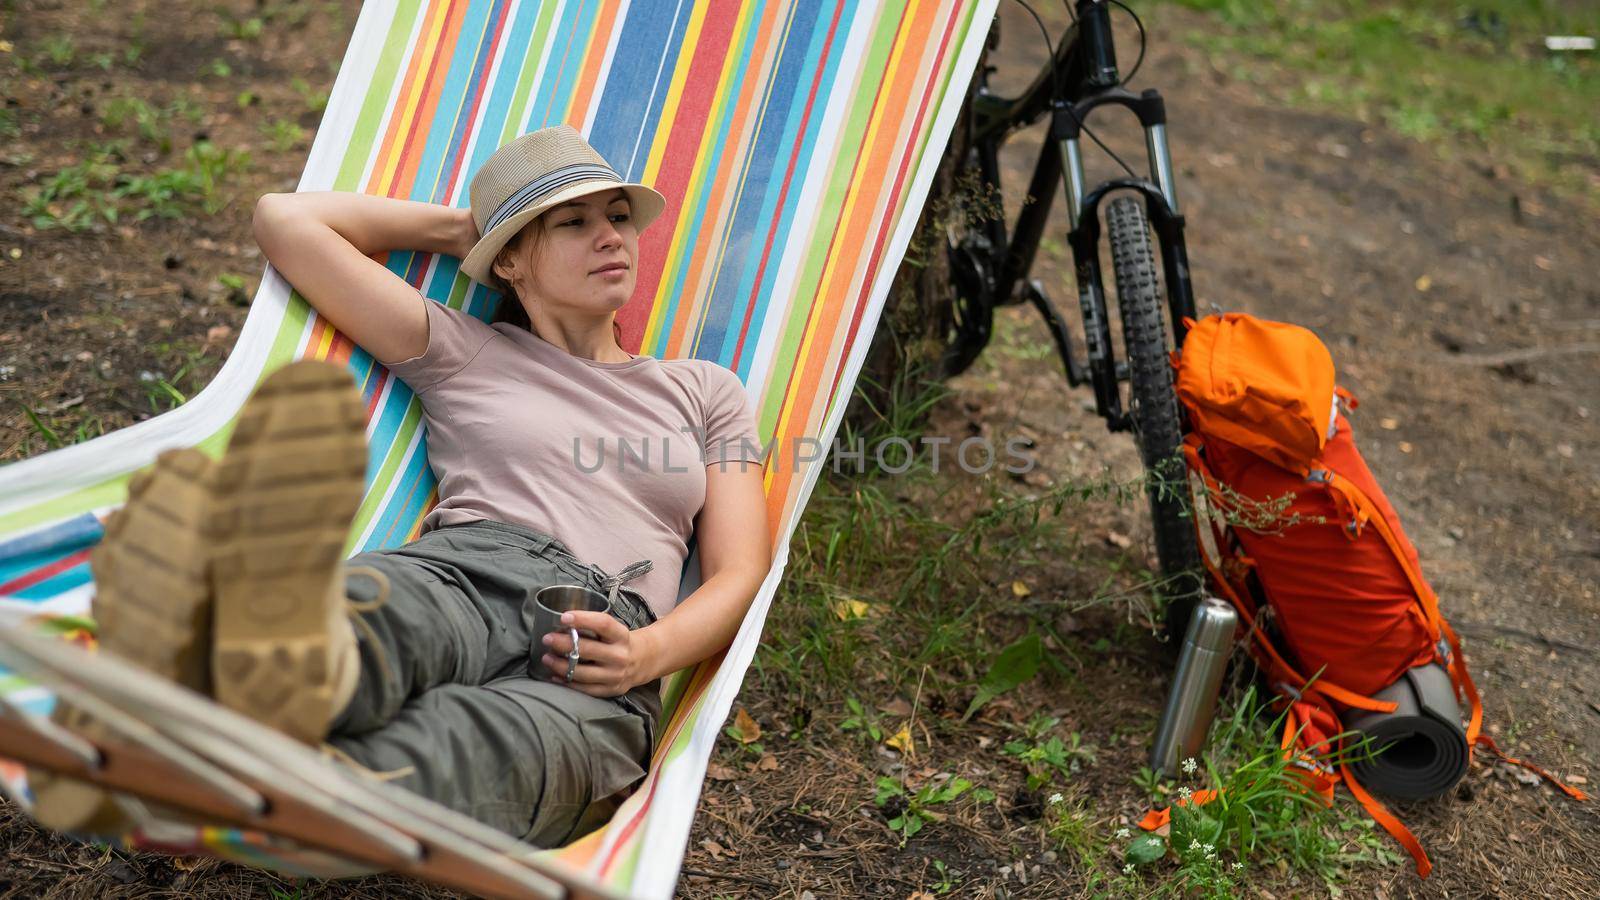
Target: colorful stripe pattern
point(794, 141)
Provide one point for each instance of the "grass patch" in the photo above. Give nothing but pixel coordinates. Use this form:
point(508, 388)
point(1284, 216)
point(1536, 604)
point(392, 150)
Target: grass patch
point(872, 637)
point(1449, 75)
point(1260, 817)
point(101, 190)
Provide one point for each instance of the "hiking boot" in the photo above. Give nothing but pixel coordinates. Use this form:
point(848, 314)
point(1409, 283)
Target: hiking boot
point(283, 500)
point(152, 606)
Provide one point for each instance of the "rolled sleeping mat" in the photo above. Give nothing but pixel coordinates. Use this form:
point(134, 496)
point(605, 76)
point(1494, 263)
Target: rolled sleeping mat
point(1423, 746)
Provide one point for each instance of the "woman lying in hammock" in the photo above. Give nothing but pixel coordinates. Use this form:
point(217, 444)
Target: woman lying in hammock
point(417, 663)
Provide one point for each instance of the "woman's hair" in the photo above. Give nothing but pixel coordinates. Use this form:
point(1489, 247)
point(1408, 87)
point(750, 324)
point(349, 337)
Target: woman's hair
point(511, 310)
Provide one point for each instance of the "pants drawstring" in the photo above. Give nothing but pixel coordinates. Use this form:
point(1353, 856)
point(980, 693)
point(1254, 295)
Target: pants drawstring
point(613, 583)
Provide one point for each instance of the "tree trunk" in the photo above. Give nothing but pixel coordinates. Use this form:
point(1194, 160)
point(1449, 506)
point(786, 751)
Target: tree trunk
point(906, 356)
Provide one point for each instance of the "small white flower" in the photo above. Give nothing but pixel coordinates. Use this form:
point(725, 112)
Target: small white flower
point(1210, 851)
point(1194, 844)
point(1127, 869)
point(1123, 833)
point(1238, 867)
point(1056, 797)
point(1185, 793)
point(1189, 766)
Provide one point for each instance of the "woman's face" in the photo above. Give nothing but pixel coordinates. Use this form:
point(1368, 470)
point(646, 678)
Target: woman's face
point(584, 257)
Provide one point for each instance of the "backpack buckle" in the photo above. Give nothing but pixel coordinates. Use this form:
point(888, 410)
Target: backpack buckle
point(1319, 476)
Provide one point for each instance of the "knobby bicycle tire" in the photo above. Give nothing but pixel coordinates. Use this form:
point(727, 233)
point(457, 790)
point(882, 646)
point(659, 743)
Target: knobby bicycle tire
point(1153, 407)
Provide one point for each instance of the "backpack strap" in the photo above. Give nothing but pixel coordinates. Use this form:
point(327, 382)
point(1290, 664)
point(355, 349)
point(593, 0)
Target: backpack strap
point(1456, 664)
point(1387, 819)
point(1261, 647)
point(1488, 743)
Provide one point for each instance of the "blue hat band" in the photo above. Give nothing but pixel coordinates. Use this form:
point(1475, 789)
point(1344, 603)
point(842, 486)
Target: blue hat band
point(546, 184)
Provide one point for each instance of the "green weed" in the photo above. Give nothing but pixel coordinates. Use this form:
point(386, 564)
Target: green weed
point(947, 881)
point(1260, 815)
point(862, 720)
point(81, 196)
point(1071, 827)
point(908, 811)
point(59, 50)
point(149, 121)
point(74, 197)
point(283, 134)
point(51, 439)
point(1045, 756)
point(315, 101)
point(241, 29)
point(165, 393)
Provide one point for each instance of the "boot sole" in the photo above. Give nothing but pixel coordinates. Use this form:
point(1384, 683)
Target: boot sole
point(151, 607)
point(284, 497)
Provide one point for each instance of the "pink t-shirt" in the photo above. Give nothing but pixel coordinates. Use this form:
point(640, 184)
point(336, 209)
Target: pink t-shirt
point(608, 457)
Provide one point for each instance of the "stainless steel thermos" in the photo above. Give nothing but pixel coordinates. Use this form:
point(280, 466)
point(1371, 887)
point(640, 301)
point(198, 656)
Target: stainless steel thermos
point(1207, 643)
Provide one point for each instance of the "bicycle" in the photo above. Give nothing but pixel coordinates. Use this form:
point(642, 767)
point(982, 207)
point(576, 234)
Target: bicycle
point(989, 266)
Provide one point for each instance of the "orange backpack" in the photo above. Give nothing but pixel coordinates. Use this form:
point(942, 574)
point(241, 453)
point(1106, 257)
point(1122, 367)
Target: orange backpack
point(1307, 537)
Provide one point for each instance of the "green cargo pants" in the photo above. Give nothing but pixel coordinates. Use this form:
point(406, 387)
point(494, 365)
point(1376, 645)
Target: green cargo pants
point(451, 705)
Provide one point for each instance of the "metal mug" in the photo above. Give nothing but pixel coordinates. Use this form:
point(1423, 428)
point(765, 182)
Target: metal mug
point(543, 616)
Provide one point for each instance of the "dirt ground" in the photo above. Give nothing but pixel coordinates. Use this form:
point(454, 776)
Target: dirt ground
point(1460, 306)
point(1461, 310)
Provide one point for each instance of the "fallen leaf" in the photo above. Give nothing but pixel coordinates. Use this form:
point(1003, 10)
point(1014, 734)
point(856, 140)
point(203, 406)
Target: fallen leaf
point(1118, 539)
point(216, 334)
point(1577, 779)
point(720, 773)
point(1405, 447)
point(768, 763)
point(847, 608)
point(1389, 424)
point(896, 707)
point(1020, 589)
point(1543, 262)
point(920, 895)
point(744, 729)
point(900, 740)
point(713, 848)
point(1423, 283)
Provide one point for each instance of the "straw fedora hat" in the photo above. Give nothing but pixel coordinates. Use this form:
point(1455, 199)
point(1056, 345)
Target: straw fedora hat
point(529, 175)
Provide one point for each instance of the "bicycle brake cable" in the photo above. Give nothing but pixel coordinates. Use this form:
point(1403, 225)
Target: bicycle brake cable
point(1055, 80)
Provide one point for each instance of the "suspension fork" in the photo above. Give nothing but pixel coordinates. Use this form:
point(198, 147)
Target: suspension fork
point(1161, 202)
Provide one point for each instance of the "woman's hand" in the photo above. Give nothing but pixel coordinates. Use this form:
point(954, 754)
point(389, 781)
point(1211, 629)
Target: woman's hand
point(610, 663)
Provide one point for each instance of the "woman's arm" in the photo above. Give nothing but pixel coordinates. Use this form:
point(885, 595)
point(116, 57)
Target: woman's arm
point(735, 556)
point(377, 224)
point(322, 243)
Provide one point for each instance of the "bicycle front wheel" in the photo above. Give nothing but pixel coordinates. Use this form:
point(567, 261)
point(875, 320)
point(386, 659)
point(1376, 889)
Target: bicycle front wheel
point(1153, 406)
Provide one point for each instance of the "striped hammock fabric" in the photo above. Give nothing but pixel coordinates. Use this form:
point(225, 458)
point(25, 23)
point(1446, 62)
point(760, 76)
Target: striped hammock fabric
point(794, 141)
